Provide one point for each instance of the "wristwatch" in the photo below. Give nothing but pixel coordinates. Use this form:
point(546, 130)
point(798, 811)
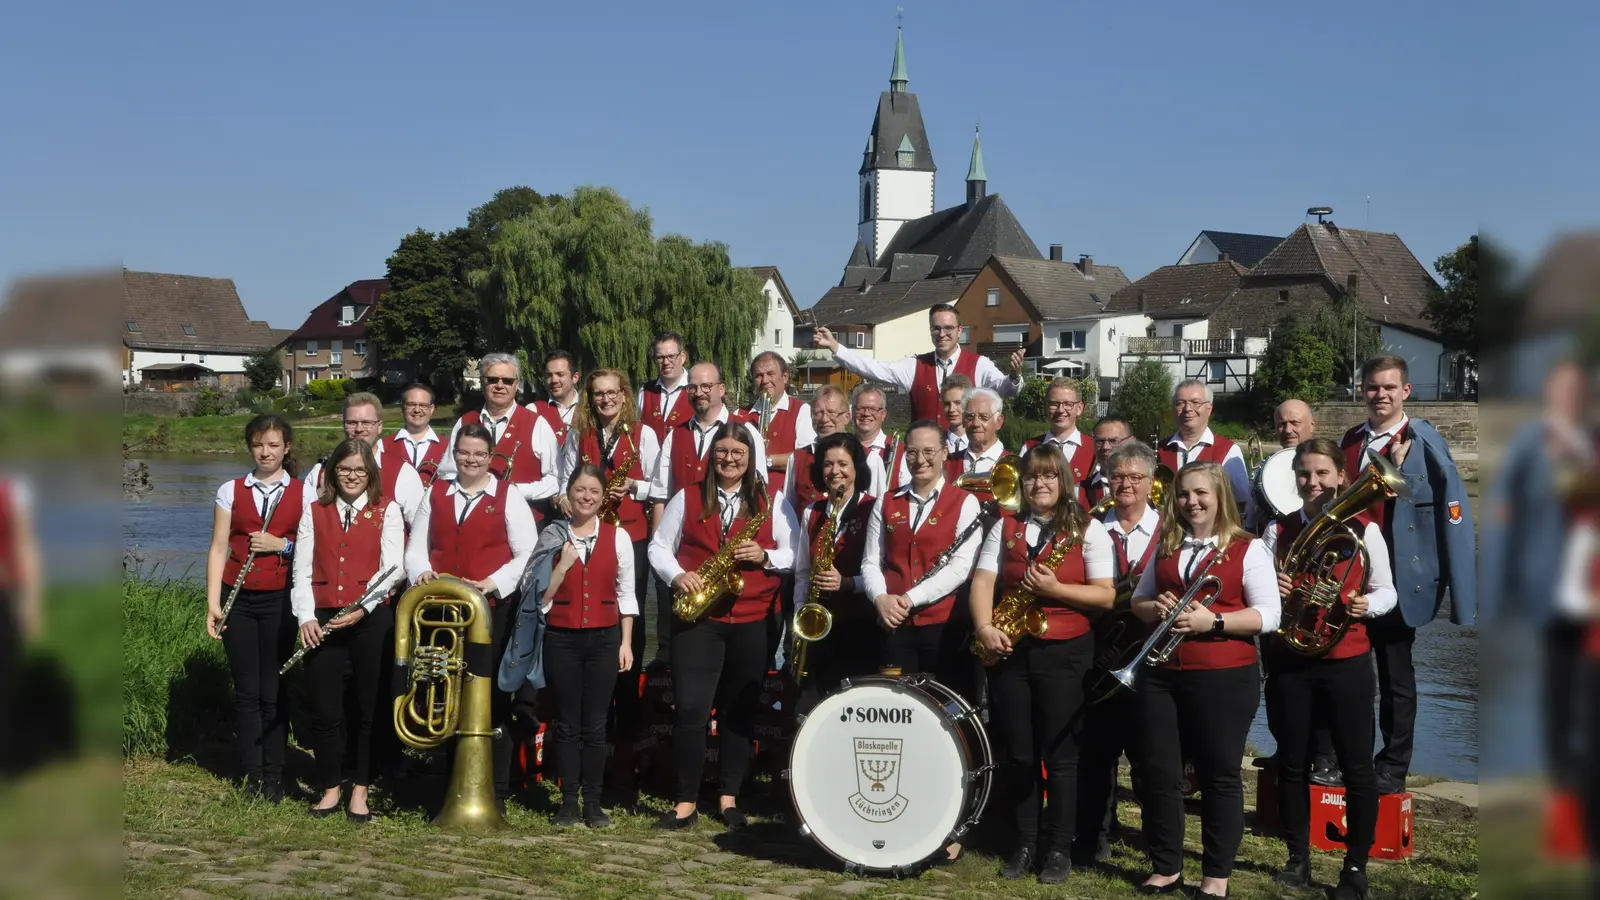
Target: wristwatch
point(1216, 624)
point(288, 547)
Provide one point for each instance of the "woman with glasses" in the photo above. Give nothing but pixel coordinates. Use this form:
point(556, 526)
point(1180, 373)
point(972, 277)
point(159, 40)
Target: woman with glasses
point(1206, 695)
point(1036, 685)
point(347, 536)
point(478, 529)
point(253, 524)
point(720, 658)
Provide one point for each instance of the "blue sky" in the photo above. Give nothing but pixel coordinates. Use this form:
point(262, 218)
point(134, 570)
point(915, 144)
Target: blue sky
point(289, 146)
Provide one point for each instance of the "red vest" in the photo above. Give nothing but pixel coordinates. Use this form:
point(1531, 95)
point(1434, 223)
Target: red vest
point(1214, 452)
point(1212, 651)
point(925, 402)
point(546, 410)
point(427, 469)
point(906, 556)
point(1065, 622)
point(1351, 444)
point(850, 545)
point(688, 466)
point(516, 440)
point(955, 466)
point(778, 438)
point(1093, 493)
point(8, 536)
point(702, 538)
point(344, 562)
point(650, 413)
point(1354, 642)
point(390, 465)
point(1082, 463)
point(805, 493)
point(587, 597)
point(1128, 569)
point(630, 512)
point(477, 547)
point(270, 571)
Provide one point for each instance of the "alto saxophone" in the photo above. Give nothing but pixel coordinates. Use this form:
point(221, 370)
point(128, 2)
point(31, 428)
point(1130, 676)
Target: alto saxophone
point(619, 477)
point(1018, 612)
point(812, 621)
point(718, 575)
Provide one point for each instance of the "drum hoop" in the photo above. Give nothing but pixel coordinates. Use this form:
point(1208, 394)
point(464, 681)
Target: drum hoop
point(1272, 474)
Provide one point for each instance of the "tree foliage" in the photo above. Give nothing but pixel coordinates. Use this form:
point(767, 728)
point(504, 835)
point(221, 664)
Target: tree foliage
point(1298, 364)
point(1144, 398)
point(1032, 401)
point(586, 274)
point(264, 370)
point(1454, 310)
point(1340, 324)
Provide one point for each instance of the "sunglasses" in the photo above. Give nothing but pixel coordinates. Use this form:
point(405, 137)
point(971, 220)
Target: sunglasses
point(499, 379)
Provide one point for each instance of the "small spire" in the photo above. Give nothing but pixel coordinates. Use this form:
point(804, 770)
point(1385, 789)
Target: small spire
point(898, 81)
point(975, 171)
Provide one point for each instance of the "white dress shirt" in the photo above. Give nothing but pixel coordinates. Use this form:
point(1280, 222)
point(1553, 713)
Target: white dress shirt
point(627, 601)
point(1260, 578)
point(562, 412)
point(1374, 442)
point(391, 551)
point(983, 462)
point(1381, 594)
point(645, 443)
point(1070, 443)
point(875, 471)
point(408, 489)
point(521, 533)
point(902, 372)
point(663, 485)
point(1233, 464)
point(941, 583)
point(1574, 596)
point(804, 431)
point(663, 550)
point(802, 561)
point(955, 441)
point(544, 447)
point(1099, 559)
point(1137, 540)
point(262, 491)
point(417, 446)
point(669, 394)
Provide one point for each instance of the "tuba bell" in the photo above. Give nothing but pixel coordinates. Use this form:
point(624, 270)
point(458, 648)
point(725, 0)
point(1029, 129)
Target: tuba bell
point(448, 683)
point(1003, 482)
point(1315, 612)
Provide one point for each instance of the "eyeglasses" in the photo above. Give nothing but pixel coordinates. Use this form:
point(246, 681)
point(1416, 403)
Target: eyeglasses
point(1042, 476)
point(1191, 404)
point(924, 454)
point(419, 406)
point(730, 455)
point(1109, 441)
point(606, 395)
point(362, 423)
point(983, 418)
point(1063, 404)
point(843, 414)
point(668, 357)
point(702, 388)
point(475, 455)
point(348, 472)
point(500, 379)
point(870, 410)
point(1129, 478)
point(944, 329)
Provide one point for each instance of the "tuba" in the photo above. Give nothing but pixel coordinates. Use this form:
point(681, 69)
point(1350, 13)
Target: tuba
point(1315, 614)
point(1003, 482)
point(449, 682)
point(719, 573)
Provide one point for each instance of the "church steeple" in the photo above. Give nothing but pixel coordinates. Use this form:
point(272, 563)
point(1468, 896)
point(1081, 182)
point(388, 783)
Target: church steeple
point(977, 179)
point(897, 170)
point(899, 83)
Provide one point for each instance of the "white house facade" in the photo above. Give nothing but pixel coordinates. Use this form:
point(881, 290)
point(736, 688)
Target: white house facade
point(1424, 358)
point(1090, 343)
point(777, 333)
point(889, 199)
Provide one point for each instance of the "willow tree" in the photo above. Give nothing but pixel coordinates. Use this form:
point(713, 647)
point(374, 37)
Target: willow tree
point(585, 273)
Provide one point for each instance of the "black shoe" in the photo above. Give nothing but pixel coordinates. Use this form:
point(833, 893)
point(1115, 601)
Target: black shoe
point(1352, 884)
point(1390, 783)
point(1018, 864)
point(1150, 890)
point(252, 788)
point(323, 813)
point(1296, 873)
point(1223, 895)
point(594, 816)
point(670, 821)
point(734, 819)
point(1326, 773)
point(272, 792)
point(568, 816)
point(1056, 868)
point(358, 817)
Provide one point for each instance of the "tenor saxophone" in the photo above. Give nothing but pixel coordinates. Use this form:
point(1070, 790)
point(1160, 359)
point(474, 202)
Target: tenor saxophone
point(812, 621)
point(718, 575)
point(609, 509)
point(1018, 613)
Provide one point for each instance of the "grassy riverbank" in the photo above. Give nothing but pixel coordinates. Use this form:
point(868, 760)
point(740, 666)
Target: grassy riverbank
point(314, 437)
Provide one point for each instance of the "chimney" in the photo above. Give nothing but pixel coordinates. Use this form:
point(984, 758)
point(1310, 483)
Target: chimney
point(1224, 257)
point(1055, 252)
point(1086, 263)
point(1141, 302)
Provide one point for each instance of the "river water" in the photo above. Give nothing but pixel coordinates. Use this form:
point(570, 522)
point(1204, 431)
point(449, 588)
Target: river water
point(171, 527)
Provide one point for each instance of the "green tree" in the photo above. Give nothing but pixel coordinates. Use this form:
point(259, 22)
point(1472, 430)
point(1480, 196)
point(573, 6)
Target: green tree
point(428, 319)
point(264, 370)
point(585, 273)
point(1144, 398)
point(1353, 335)
point(1454, 310)
point(1298, 363)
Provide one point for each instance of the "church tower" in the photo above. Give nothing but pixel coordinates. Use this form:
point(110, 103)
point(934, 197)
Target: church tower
point(897, 166)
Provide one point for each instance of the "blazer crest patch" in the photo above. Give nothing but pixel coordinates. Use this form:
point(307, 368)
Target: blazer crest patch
point(1455, 512)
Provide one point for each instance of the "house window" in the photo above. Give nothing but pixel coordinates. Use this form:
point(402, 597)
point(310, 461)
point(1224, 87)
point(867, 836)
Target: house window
point(966, 334)
point(132, 325)
point(1283, 296)
point(1236, 333)
point(859, 339)
point(1071, 340)
point(361, 348)
point(866, 201)
point(1218, 371)
point(994, 297)
point(1177, 330)
point(777, 337)
point(347, 314)
point(188, 330)
point(311, 348)
point(337, 346)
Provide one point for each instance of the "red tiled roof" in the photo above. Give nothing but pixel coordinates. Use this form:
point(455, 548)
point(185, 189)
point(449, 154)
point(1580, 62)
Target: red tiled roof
point(323, 321)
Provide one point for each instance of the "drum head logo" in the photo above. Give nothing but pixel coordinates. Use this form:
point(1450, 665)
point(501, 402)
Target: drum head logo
point(877, 797)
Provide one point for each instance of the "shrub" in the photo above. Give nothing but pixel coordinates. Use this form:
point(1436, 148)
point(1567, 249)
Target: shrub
point(1298, 364)
point(264, 370)
point(1144, 398)
point(211, 402)
point(175, 681)
point(1018, 430)
point(325, 389)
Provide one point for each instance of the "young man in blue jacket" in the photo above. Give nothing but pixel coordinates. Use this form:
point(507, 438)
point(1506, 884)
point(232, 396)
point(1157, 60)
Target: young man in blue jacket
point(1431, 545)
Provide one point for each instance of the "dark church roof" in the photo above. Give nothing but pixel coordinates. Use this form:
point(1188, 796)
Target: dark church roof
point(897, 126)
point(962, 238)
point(885, 301)
point(1248, 249)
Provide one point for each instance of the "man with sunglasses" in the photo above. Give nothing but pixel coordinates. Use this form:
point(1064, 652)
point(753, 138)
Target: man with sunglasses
point(664, 403)
point(1063, 404)
point(363, 421)
point(525, 445)
point(923, 375)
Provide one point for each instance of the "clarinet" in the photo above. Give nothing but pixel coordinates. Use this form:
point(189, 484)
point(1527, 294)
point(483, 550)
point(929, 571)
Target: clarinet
point(327, 629)
point(249, 563)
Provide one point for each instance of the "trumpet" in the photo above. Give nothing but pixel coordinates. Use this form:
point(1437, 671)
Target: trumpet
point(1162, 643)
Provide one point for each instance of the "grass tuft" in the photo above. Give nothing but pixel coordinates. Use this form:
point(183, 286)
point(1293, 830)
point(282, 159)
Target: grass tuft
point(176, 685)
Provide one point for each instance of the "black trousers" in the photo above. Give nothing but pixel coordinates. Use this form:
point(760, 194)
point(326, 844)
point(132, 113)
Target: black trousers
point(1591, 773)
point(723, 665)
point(1563, 668)
point(666, 622)
point(10, 645)
point(260, 636)
point(580, 667)
point(626, 691)
point(1337, 692)
point(1392, 642)
point(1108, 731)
point(1321, 734)
point(1204, 714)
point(500, 620)
point(361, 652)
point(852, 649)
point(1036, 694)
point(941, 650)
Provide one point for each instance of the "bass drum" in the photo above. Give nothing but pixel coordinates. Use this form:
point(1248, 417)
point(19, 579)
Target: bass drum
point(1275, 484)
point(888, 770)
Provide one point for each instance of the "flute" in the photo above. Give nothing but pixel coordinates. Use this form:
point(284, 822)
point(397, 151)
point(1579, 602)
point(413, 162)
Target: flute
point(249, 563)
point(327, 629)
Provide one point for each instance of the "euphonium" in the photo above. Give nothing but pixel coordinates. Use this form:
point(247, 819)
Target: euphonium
point(1018, 611)
point(1160, 487)
point(1315, 612)
point(619, 477)
point(449, 682)
point(1003, 482)
point(812, 621)
point(718, 574)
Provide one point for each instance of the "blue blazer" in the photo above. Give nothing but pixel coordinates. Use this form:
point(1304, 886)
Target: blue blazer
point(1431, 542)
point(1523, 533)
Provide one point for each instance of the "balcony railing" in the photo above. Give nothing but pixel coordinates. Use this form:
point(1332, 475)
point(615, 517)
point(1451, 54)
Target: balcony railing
point(1152, 345)
point(1180, 346)
point(335, 357)
point(1217, 347)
